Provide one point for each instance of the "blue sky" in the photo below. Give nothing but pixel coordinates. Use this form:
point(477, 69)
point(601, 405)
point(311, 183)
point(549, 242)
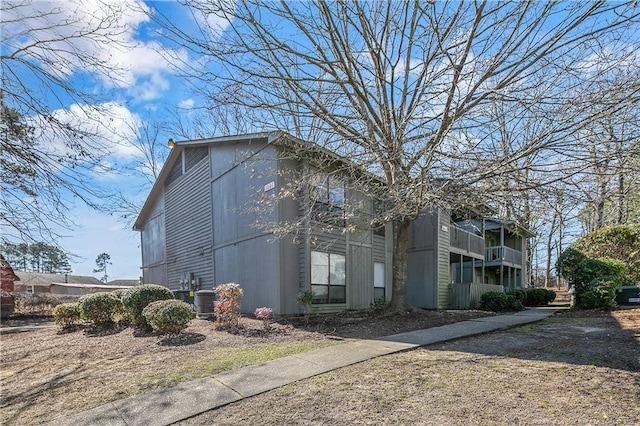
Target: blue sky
point(142, 86)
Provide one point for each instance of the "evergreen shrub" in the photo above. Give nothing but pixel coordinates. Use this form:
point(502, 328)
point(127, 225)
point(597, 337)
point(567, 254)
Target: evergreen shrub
point(499, 302)
point(99, 308)
point(601, 294)
point(67, 314)
point(168, 316)
point(137, 298)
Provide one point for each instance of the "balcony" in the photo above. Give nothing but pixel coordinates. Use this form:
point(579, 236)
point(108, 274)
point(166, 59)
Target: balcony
point(467, 243)
point(497, 255)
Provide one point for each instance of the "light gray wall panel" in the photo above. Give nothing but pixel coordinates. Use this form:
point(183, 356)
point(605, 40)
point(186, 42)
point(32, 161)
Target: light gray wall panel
point(155, 275)
point(225, 212)
point(360, 279)
point(223, 159)
point(423, 232)
point(254, 265)
point(226, 261)
point(153, 244)
point(153, 241)
point(292, 259)
point(158, 206)
point(421, 279)
point(237, 192)
point(188, 227)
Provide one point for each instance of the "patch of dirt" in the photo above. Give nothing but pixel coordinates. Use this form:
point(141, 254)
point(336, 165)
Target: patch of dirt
point(48, 373)
point(371, 324)
point(577, 367)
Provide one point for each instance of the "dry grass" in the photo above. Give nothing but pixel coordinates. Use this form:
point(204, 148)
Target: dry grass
point(47, 374)
point(575, 368)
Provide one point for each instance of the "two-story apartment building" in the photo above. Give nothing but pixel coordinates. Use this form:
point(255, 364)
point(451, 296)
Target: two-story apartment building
point(200, 227)
point(452, 262)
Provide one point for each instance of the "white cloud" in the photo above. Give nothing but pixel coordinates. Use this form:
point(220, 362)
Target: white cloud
point(106, 131)
point(211, 16)
point(186, 104)
point(94, 36)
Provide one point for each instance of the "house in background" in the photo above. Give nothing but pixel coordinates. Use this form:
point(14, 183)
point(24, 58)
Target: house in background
point(60, 284)
point(198, 230)
point(123, 283)
point(7, 276)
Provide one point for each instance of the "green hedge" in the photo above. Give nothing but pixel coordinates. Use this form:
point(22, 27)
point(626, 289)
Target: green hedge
point(137, 298)
point(99, 308)
point(499, 302)
point(539, 297)
point(168, 316)
point(67, 314)
point(601, 294)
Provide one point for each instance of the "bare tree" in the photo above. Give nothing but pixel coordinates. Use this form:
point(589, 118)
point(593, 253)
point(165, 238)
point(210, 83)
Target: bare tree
point(45, 45)
point(611, 143)
point(404, 89)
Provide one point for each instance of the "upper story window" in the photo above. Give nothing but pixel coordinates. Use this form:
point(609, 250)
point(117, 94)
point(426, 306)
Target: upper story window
point(327, 195)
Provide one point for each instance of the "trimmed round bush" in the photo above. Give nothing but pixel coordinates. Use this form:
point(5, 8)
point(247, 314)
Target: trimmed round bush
point(498, 302)
point(168, 316)
point(550, 296)
point(137, 298)
point(536, 297)
point(98, 308)
point(519, 294)
point(67, 314)
point(119, 313)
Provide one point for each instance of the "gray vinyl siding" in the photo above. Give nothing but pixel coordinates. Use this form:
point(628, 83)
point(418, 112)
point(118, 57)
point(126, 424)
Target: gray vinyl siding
point(188, 227)
point(175, 172)
point(443, 260)
point(193, 156)
point(379, 248)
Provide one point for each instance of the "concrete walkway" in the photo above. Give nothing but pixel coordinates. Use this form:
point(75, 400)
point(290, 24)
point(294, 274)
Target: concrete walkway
point(167, 406)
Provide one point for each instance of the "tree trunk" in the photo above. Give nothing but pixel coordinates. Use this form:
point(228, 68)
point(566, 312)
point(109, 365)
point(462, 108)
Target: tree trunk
point(399, 301)
point(547, 276)
point(621, 216)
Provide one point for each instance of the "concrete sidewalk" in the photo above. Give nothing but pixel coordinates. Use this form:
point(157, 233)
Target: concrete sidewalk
point(167, 406)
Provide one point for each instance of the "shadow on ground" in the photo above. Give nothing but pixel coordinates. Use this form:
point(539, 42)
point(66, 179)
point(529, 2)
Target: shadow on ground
point(597, 338)
point(371, 324)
